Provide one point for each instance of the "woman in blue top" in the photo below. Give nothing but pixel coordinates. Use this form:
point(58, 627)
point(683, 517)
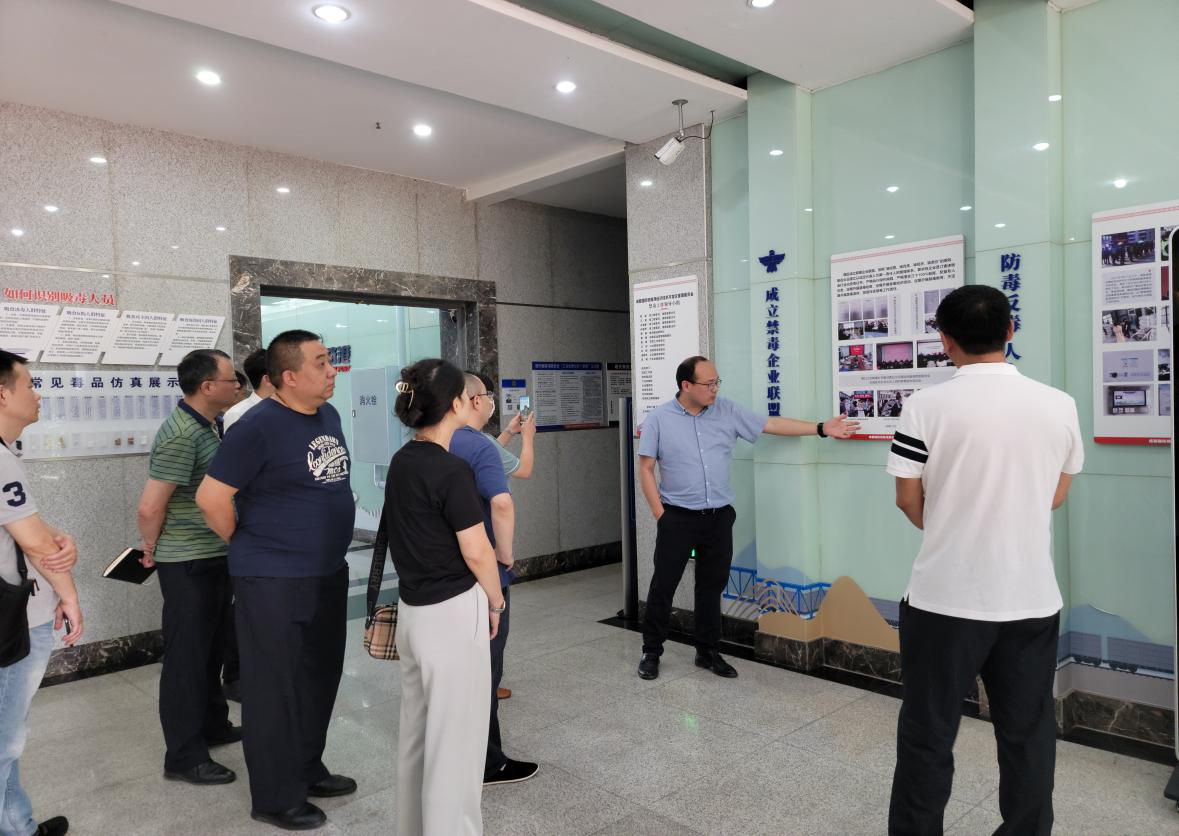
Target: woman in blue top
point(449, 608)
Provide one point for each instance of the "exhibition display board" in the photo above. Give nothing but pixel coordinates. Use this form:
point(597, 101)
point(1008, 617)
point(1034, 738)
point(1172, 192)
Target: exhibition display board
point(666, 323)
point(1132, 339)
point(567, 396)
point(884, 335)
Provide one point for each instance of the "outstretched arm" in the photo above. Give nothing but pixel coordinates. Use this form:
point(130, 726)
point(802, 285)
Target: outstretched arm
point(838, 427)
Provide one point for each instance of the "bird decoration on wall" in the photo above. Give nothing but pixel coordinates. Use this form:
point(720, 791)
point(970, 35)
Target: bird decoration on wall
point(772, 260)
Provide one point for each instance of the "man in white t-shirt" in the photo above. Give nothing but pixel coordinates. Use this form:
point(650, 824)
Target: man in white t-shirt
point(47, 556)
point(255, 369)
point(980, 463)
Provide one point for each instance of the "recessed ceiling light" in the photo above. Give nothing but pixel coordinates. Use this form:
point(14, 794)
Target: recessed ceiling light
point(106, 275)
point(566, 87)
point(965, 208)
point(1120, 183)
point(889, 237)
point(208, 78)
point(134, 263)
point(1055, 97)
point(422, 130)
point(49, 207)
point(283, 189)
point(1000, 225)
point(330, 13)
point(808, 209)
point(646, 183)
point(776, 152)
point(175, 246)
point(761, 4)
point(341, 325)
point(1041, 146)
point(891, 189)
point(220, 229)
point(1072, 238)
point(98, 160)
point(17, 231)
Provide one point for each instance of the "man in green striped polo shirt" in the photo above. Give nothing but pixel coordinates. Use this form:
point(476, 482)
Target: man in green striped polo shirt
point(194, 576)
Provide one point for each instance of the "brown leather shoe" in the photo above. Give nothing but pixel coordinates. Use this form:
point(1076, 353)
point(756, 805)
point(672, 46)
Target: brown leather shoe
point(503, 693)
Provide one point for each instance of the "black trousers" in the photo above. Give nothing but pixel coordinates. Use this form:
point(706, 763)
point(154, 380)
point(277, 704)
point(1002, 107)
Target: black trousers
point(291, 634)
point(232, 668)
point(940, 658)
point(495, 753)
point(192, 707)
point(679, 532)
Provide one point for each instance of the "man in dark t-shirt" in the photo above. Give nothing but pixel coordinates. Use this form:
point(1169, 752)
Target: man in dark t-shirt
point(499, 518)
point(286, 467)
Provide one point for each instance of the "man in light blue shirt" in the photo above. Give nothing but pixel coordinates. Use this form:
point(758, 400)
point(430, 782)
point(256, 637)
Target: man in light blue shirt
point(692, 438)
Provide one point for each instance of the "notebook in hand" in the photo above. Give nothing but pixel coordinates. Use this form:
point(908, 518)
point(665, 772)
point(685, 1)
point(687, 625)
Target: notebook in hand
point(126, 567)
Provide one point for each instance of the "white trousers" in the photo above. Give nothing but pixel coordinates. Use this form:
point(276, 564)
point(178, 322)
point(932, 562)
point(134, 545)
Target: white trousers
point(445, 683)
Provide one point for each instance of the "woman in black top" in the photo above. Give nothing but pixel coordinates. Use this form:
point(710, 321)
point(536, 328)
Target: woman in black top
point(447, 577)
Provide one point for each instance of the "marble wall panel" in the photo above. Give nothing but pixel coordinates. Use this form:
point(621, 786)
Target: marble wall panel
point(447, 244)
point(589, 488)
point(515, 250)
point(45, 160)
point(302, 225)
point(589, 266)
point(171, 196)
point(378, 221)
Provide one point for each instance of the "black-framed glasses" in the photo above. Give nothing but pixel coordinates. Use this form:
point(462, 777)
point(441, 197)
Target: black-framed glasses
point(711, 384)
point(487, 394)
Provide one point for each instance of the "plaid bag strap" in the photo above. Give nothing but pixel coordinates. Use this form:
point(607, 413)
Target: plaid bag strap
point(377, 572)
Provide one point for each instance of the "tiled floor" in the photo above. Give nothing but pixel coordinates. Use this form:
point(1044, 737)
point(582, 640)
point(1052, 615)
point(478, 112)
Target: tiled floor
point(772, 752)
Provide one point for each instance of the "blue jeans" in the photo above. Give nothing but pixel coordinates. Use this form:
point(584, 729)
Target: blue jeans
point(18, 684)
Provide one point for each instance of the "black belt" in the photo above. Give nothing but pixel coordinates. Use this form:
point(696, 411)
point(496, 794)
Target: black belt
point(699, 512)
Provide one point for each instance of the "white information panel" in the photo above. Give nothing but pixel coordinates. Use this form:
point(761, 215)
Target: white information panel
point(617, 386)
point(91, 413)
point(189, 332)
point(884, 333)
point(79, 336)
point(1132, 322)
point(137, 338)
point(567, 396)
point(666, 323)
point(25, 328)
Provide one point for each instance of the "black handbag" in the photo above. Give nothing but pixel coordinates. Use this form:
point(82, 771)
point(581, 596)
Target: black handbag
point(14, 614)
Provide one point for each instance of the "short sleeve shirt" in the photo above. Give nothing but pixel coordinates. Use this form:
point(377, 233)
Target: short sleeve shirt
point(180, 455)
point(430, 495)
point(508, 459)
point(480, 452)
point(294, 503)
point(17, 504)
point(989, 446)
point(695, 452)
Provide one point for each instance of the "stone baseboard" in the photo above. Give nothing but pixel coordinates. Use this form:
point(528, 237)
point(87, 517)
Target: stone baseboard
point(1075, 710)
point(573, 560)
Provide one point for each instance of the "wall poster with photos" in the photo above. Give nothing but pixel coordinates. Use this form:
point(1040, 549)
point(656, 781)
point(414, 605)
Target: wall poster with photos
point(884, 330)
point(1132, 314)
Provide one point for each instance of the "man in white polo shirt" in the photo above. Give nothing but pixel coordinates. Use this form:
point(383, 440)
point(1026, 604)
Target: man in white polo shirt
point(980, 462)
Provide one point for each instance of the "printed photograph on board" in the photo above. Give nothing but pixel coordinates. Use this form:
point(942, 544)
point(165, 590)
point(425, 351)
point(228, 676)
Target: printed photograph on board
point(855, 358)
point(931, 354)
point(1129, 400)
point(1164, 364)
point(1117, 366)
point(892, 356)
point(1165, 400)
point(890, 402)
point(857, 404)
point(1133, 247)
point(1165, 242)
point(1129, 325)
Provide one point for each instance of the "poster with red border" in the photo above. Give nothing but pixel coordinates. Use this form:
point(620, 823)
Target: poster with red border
point(885, 343)
point(1132, 324)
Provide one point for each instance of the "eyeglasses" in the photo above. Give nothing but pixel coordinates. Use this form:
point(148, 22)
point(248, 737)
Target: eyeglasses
point(711, 384)
point(486, 394)
point(232, 380)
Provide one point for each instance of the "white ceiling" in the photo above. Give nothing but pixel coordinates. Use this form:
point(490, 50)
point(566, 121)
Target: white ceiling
point(481, 72)
point(813, 43)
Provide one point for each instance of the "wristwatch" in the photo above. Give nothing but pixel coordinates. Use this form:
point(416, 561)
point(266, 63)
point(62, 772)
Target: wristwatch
point(498, 610)
point(819, 430)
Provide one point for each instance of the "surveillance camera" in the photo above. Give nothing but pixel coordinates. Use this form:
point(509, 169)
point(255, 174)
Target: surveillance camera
point(670, 151)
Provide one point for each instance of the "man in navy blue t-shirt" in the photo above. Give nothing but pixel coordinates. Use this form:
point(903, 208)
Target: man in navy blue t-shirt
point(499, 518)
point(286, 466)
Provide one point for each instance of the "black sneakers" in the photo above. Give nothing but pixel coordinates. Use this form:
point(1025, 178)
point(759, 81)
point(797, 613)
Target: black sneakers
point(649, 666)
point(513, 772)
point(713, 661)
point(56, 826)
